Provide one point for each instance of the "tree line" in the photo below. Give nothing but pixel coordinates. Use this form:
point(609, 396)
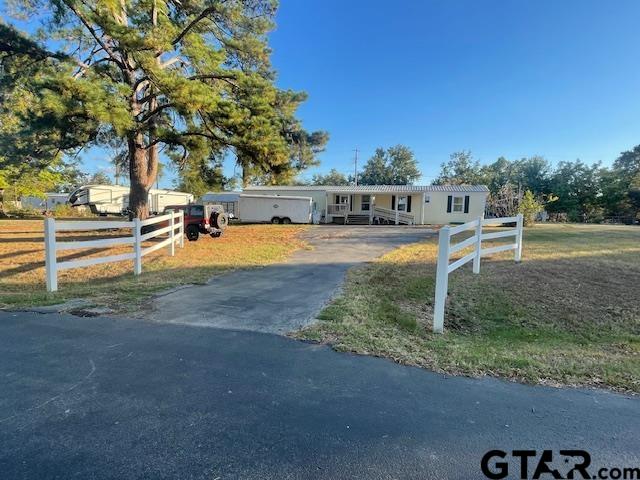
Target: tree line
point(575, 191)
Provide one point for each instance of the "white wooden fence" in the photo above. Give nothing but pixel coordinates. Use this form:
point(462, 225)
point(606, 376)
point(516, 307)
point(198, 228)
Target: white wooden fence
point(446, 249)
point(175, 222)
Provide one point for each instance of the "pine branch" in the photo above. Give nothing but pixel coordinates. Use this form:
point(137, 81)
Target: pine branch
point(193, 23)
point(95, 35)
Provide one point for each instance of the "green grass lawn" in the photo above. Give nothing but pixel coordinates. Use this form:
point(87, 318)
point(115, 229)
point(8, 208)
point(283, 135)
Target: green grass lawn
point(568, 314)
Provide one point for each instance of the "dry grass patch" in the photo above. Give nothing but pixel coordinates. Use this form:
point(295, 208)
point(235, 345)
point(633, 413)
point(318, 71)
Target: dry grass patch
point(114, 285)
point(568, 314)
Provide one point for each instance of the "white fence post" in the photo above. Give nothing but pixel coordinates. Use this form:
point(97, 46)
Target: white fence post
point(181, 231)
point(51, 266)
point(137, 246)
point(476, 260)
point(172, 236)
point(397, 215)
point(519, 224)
point(442, 280)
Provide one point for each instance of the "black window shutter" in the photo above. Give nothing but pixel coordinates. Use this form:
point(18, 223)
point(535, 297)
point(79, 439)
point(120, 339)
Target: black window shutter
point(337, 199)
point(449, 202)
point(466, 204)
point(409, 204)
point(393, 202)
point(351, 204)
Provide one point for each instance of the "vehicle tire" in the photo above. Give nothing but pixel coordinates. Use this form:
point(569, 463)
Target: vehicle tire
point(286, 221)
point(192, 233)
point(219, 220)
point(275, 220)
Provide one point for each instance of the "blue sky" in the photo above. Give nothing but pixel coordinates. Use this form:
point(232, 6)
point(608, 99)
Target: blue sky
point(515, 78)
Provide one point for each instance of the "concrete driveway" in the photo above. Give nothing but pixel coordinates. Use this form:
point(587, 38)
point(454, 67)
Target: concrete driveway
point(283, 297)
point(101, 398)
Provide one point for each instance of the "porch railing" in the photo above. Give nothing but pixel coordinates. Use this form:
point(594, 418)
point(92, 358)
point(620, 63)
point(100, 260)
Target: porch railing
point(394, 216)
point(337, 208)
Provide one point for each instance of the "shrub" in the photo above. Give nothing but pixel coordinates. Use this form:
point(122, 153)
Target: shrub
point(66, 210)
point(529, 207)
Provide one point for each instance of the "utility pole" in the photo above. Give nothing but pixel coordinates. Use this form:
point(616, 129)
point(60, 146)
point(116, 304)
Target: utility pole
point(356, 168)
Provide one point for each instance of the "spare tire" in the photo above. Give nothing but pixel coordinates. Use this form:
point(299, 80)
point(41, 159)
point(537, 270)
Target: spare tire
point(219, 220)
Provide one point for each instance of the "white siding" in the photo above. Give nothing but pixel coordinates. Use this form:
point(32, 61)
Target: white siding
point(436, 210)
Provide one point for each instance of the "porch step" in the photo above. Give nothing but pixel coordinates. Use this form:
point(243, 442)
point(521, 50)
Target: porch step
point(358, 219)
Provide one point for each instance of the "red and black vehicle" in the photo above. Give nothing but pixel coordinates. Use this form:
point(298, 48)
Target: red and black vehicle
point(201, 219)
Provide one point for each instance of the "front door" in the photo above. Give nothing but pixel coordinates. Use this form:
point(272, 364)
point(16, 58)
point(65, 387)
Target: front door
point(365, 203)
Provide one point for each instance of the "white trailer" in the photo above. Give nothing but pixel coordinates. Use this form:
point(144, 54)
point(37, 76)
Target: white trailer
point(229, 200)
point(275, 209)
point(159, 199)
point(114, 199)
point(31, 202)
point(48, 203)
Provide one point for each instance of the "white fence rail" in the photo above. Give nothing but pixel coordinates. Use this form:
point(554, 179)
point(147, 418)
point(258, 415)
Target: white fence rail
point(446, 249)
point(175, 222)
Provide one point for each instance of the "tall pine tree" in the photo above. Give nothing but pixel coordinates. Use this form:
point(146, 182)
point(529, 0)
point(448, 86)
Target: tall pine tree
point(191, 78)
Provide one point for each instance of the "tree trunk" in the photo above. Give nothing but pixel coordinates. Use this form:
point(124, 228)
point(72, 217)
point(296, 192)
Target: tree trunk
point(246, 177)
point(143, 168)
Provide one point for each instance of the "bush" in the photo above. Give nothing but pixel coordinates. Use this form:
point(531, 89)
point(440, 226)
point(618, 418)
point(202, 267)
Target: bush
point(66, 210)
point(529, 208)
point(10, 210)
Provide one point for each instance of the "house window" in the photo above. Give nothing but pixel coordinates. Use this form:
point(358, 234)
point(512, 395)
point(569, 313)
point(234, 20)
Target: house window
point(366, 203)
point(402, 203)
point(343, 199)
point(427, 199)
point(458, 204)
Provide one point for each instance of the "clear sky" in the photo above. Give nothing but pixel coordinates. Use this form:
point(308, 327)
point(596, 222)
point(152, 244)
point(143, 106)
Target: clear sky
point(557, 78)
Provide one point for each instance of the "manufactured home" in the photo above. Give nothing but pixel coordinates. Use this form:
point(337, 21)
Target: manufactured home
point(388, 204)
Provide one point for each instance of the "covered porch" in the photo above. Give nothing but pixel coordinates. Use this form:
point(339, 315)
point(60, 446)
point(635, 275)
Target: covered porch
point(370, 208)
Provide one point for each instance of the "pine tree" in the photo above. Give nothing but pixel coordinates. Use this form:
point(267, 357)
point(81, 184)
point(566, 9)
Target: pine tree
point(193, 78)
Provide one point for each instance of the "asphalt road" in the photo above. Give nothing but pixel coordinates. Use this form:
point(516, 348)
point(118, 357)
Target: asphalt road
point(284, 297)
point(115, 398)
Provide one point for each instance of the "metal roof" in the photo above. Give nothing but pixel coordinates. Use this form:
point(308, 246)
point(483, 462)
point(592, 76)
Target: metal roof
point(220, 197)
point(375, 188)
